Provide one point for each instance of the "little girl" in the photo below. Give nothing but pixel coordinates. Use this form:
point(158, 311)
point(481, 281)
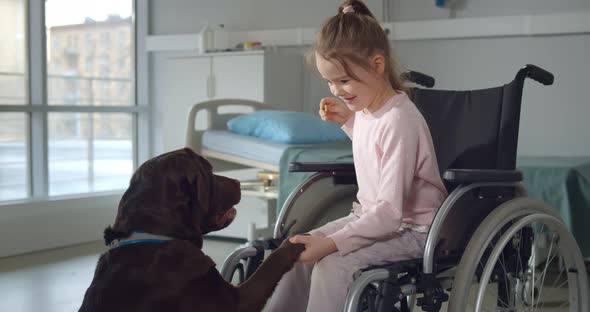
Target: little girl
point(399, 184)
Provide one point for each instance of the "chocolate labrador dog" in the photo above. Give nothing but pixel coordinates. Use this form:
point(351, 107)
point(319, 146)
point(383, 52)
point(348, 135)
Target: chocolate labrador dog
point(155, 261)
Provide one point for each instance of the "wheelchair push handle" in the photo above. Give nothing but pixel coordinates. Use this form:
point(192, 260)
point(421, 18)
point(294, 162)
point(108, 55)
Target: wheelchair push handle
point(418, 78)
point(536, 73)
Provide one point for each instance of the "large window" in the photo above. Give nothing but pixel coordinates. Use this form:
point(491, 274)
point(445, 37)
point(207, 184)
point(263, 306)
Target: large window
point(68, 114)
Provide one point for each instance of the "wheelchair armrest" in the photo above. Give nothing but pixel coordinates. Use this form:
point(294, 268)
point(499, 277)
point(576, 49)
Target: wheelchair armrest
point(481, 175)
point(321, 167)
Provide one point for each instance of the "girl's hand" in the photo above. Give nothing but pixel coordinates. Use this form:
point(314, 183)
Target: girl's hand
point(316, 247)
point(331, 109)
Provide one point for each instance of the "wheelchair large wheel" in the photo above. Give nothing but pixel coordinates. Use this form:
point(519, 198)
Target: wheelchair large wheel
point(521, 258)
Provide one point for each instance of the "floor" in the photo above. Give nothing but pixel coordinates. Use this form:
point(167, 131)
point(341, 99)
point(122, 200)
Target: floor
point(55, 280)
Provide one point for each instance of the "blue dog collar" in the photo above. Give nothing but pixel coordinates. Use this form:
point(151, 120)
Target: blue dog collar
point(138, 237)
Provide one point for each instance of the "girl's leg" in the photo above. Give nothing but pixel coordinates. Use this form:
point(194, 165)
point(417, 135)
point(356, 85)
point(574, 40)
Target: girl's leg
point(292, 292)
point(333, 275)
point(333, 226)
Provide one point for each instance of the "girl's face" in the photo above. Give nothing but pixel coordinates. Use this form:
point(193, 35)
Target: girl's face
point(363, 94)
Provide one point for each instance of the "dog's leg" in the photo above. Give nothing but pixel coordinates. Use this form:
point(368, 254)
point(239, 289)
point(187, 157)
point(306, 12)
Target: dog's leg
point(255, 291)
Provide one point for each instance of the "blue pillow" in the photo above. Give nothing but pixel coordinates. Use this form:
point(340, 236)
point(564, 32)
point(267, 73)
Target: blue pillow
point(286, 127)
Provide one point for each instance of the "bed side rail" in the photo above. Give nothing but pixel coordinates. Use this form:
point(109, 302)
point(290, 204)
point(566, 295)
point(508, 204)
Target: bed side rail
point(218, 113)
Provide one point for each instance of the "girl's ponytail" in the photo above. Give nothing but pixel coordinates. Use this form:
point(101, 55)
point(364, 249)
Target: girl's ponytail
point(354, 6)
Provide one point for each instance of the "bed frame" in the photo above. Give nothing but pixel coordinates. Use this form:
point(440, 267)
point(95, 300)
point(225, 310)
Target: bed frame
point(217, 113)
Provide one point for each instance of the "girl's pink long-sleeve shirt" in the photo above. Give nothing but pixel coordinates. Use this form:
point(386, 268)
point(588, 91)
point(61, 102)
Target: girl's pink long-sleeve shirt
point(396, 171)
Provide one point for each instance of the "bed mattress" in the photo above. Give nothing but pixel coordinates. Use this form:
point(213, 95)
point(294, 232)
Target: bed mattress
point(226, 142)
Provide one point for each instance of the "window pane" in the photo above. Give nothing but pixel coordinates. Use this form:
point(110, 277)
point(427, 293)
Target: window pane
point(13, 57)
point(89, 152)
point(89, 52)
point(13, 156)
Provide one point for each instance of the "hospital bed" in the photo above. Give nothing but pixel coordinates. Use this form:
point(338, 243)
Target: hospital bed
point(207, 134)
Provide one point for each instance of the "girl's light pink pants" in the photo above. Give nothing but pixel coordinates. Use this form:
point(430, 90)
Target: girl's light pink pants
point(322, 286)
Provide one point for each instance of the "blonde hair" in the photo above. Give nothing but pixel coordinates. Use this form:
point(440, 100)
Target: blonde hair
point(354, 35)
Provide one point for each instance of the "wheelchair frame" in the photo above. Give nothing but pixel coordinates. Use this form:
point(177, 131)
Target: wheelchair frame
point(506, 211)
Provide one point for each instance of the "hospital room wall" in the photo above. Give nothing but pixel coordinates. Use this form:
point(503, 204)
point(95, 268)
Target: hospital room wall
point(189, 16)
point(553, 120)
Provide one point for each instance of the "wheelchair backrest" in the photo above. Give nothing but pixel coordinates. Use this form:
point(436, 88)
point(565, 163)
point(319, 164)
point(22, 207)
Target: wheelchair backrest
point(475, 129)
point(472, 129)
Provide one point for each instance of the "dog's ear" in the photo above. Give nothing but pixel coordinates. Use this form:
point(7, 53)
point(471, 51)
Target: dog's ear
point(194, 189)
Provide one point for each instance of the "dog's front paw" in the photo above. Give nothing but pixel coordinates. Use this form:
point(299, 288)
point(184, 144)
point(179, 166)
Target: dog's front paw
point(292, 250)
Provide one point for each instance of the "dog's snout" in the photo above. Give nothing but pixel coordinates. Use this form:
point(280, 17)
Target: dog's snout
point(231, 189)
point(239, 190)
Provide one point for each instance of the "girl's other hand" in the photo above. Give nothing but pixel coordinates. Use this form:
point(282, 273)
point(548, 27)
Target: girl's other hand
point(331, 109)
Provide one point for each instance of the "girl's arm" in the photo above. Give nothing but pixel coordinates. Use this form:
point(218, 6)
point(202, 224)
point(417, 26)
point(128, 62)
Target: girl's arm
point(316, 247)
point(398, 146)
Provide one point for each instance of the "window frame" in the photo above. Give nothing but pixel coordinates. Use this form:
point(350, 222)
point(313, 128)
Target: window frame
point(37, 107)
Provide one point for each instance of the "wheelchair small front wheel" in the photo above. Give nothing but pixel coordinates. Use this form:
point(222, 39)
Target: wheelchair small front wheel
point(521, 258)
point(368, 300)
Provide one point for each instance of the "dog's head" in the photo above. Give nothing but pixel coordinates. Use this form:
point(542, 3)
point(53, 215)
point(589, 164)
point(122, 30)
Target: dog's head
point(177, 195)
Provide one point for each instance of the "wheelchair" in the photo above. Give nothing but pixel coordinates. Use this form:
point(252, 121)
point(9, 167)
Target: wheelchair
point(489, 248)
